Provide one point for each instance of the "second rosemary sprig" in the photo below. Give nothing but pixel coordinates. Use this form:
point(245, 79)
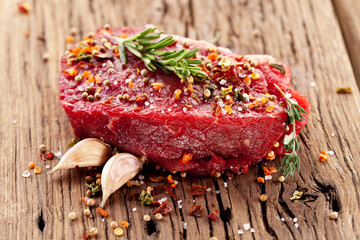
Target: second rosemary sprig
point(291, 161)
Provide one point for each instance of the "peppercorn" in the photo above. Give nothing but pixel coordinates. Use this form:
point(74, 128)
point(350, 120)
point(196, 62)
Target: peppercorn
point(144, 72)
point(84, 95)
point(146, 80)
point(130, 183)
point(253, 63)
point(263, 197)
point(91, 202)
point(107, 83)
point(90, 97)
point(97, 95)
point(246, 66)
point(72, 215)
point(183, 174)
point(276, 144)
point(190, 79)
point(93, 231)
point(217, 98)
point(252, 69)
point(78, 78)
point(103, 40)
point(273, 98)
point(87, 212)
point(95, 52)
point(88, 89)
point(213, 238)
point(42, 148)
point(173, 172)
point(98, 175)
point(183, 80)
point(158, 216)
point(114, 224)
point(281, 179)
point(271, 153)
point(98, 181)
point(126, 96)
point(91, 35)
point(88, 193)
point(186, 44)
point(147, 218)
point(217, 175)
point(208, 66)
point(89, 179)
point(157, 167)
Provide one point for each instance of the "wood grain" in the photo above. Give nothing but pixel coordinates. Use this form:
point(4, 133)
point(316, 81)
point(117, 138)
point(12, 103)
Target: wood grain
point(304, 34)
point(347, 12)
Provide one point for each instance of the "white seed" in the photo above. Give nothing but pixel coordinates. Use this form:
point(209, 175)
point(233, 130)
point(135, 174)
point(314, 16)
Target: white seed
point(158, 216)
point(144, 72)
point(93, 231)
point(114, 224)
point(281, 179)
point(72, 215)
point(147, 218)
point(87, 212)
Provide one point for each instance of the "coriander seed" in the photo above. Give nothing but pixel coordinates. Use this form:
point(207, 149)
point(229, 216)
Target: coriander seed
point(107, 83)
point(144, 72)
point(88, 89)
point(42, 148)
point(114, 224)
point(98, 175)
point(98, 181)
point(87, 212)
point(263, 197)
point(89, 179)
point(334, 215)
point(84, 95)
point(281, 179)
point(90, 97)
point(146, 80)
point(217, 175)
point(119, 97)
point(97, 95)
point(78, 78)
point(207, 93)
point(72, 215)
point(183, 174)
point(147, 218)
point(88, 193)
point(93, 231)
point(246, 66)
point(126, 96)
point(91, 202)
point(158, 216)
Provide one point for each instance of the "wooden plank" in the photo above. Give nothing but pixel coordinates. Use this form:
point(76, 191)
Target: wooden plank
point(349, 20)
point(304, 34)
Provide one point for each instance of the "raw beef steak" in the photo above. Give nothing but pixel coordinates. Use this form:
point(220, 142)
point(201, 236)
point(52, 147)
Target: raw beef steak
point(174, 122)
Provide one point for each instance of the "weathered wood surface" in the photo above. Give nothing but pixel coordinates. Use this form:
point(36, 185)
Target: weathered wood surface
point(347, 12)
point(305, 34)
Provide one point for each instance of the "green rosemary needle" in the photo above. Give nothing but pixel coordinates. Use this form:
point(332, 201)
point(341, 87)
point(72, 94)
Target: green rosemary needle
point(291, 161)
point(141, 45)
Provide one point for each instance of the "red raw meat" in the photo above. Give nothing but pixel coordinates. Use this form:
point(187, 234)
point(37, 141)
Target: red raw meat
point(160, 126)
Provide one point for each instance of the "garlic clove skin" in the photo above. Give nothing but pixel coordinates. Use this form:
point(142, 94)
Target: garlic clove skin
point(90, 152)
point(121, 168)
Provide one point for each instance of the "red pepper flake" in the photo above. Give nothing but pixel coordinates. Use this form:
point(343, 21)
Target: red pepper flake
point(212, 216)
point(186, 158)
point(212, 56)
point(170, 179)
point(42, 157)
point(84, 200)
point(260, 180)
point(229, 174)
point(102, 212)
point(49, 155)
point(123, 35)
point(271, 158)
point(169, 189)
point(70, 39)
point(71, 72)
point(85, 236)
point(109, 100)
point(156, 203)
point(212, 173)
point(23, 7)
point(198, 190)
point(164, 209)
point(238, 58)
point(269, 171)
point(125, 224)
point(323, 156)
point(156, 179)
point(195, 211)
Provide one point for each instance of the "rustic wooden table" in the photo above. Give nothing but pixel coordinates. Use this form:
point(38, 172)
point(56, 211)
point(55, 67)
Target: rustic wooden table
point(319, 39)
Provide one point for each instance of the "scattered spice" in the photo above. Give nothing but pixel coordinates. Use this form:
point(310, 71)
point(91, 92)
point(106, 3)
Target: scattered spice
point(296, 195)
point(72, 215)
point(70, 39)
point(212, 216)
point(270, 108)
point(212, 56)
point(102, 212)
point(49, 155)
point(93, 188)
point(281, 179)
point(146, 198)
point(42, 148)
point(125, 224)
point(177, 94)
point(158, 216)
point(84, 201)
point(37, 169)
point(263, 197)
point(197, 190)
point(169, 189)
point(32, 165)
point(344, 90)
point(118, 231)
point(269, 171)
point(228, 109)
point(186, 158)
point(85, 236)
point(93, 231)
point(87, 212)
point(23, 7)
point(147, 218)
point(323, 156)
point(279, 67)
point(260, 180)
point(156, 179)
point(334, 215)
point(90, 202)
point(170, 179)
point(195, 211)
point(157, 86)
point(114, 224)
point(164, 209)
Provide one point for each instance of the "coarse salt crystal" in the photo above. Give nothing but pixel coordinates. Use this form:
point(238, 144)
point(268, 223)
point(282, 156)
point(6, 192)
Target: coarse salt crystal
point(313, 84)
point(141, 177)
point(222, 82)
point(161, 200)
point(240, 231)
point(47, 166)
point(194, 201)
point(240, 109)
point(184, 225)
point(141, 182)
point(225, 184)
point(103, 220)
point(176, 182)
point(252, 230)
point(282, 219)
point(217, 191)
point(127, 80)
point(209, 189)
point(246, 226)
point(134, 209)
point(26, 174)
point(295, 219)
point(296, 225)
point(147, 103)
point(115, 82)
point(185, 109)
point(58, 154)
point(332, 134)
point(268, 177)
point(14, 121)
point(330, 152)
point(288, 95)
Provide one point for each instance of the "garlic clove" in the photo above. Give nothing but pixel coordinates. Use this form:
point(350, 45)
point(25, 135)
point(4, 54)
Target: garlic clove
point(121, 168)
point(89, 152)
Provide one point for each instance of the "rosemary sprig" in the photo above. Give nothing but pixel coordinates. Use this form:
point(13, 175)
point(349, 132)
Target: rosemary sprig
point(291, 162)
point(141, 45)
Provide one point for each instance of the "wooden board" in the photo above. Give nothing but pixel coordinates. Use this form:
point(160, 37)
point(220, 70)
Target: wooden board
point(305, 34)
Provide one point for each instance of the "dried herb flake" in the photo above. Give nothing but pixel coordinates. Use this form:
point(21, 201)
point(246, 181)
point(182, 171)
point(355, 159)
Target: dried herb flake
point(146, 198)
point(279, 67)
